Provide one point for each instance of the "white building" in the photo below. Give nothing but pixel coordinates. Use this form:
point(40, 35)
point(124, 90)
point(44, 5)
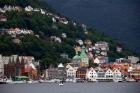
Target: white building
point(109, 74)
point(63, 21)
point(133, 59)
point(105, 74)
point(18, 31)
point(53, 19)
point(119, 49)
point(56, 39)
point(64, 35)
point(7, 8)
point(64, 55)
point(42, 11)
point(3, 18)
point(36, 10)
point(102, 45)
point(91, 74)
point(117, 75)
point(101, 59)
point(29, 9)
point(2, 10)
point(101, 48)
point(71, 73)
point(101, 74)
point(80, 42)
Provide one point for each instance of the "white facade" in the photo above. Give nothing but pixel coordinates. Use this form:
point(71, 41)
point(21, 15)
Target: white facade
point(102, 45)
point(53, 19)
point(109, 74)
point(91, 75)
point(60, 65)
point(117, 75)
point(71, 72)
point(18, 31)
point(101, 59)
point(133, 59)
point(28, 9)
point(118, 49)
point(56, 39)
point(97, 61)
point(42, 11)
point(80, 42)
point(64, 35)
point(2, 10)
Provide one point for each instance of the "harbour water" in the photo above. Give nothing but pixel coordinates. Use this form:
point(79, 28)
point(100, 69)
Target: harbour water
point(117, 18)
point(98, 87)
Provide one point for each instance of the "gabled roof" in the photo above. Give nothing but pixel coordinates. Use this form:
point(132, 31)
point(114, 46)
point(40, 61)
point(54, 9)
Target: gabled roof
point(60, 65)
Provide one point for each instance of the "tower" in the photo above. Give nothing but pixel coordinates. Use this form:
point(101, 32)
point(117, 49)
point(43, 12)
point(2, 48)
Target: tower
point(84, 58)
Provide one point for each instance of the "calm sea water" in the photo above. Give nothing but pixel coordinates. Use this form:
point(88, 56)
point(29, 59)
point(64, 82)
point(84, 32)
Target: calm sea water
point(103, 87)
point(117, 18)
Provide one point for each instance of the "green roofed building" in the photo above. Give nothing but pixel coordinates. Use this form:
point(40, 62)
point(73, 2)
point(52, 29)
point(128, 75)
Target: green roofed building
point(81, 59)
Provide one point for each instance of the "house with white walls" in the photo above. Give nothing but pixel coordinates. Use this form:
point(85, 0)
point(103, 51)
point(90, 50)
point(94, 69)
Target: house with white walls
point(91, 74)
point(117, 75)
point(109, 74)
point(28, 9)
point(71, 73)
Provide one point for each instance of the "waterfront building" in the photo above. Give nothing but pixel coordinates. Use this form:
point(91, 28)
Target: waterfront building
point(135, 74)
point(101, 74)
point(15, 65)
point(45, 74)
point(52, 73)
point(57, 73)
point(104, 74)
point(71, 73)
point(121, 66)
point(61, 72)
point(81, 73)
point(117, 75)
point(109, 74)
point(91, 74)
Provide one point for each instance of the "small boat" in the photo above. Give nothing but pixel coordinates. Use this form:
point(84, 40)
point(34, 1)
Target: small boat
point(9, 81)
point(61, 83)
point(130, 80)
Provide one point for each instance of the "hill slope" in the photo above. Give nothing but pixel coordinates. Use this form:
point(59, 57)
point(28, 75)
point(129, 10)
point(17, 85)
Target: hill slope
point(41, 44)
